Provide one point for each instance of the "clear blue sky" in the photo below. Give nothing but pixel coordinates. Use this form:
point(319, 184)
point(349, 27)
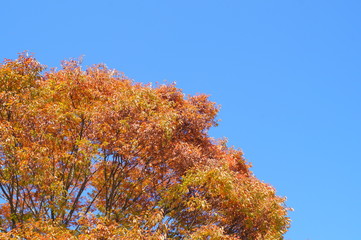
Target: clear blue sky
point(286, 72)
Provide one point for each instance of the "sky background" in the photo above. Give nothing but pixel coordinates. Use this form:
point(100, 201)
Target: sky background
point(286, 73)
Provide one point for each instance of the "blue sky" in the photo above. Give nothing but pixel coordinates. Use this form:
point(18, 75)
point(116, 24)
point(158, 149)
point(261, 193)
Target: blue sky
point(286, 73)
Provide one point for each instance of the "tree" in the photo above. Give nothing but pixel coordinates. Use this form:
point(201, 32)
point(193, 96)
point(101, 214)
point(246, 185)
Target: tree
point(89, 154)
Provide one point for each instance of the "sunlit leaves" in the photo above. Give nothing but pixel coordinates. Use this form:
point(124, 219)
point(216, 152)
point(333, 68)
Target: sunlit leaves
point(89, 154)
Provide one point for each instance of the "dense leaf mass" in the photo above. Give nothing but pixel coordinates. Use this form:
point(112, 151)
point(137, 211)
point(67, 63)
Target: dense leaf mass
point(89, 154)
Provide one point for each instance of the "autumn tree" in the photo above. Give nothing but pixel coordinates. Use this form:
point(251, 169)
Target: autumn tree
point(90, 154)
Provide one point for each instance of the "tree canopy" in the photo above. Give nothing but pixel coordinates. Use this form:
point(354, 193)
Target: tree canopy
point(91, 154)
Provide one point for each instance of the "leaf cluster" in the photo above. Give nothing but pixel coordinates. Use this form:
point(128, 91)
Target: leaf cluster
point(90, 154)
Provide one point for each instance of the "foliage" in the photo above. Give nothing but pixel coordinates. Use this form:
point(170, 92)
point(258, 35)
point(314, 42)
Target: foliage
point(89, 154)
